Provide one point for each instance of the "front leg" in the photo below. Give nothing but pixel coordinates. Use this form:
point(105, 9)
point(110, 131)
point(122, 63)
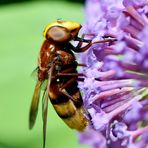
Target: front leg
point(79, 47)
point(81, 40)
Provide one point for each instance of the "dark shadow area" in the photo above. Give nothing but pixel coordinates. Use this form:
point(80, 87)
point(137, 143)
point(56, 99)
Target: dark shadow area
point(4, 2)
point(77, 1)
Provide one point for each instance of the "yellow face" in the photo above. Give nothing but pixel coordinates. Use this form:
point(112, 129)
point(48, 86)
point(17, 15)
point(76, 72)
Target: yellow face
point(72, 27)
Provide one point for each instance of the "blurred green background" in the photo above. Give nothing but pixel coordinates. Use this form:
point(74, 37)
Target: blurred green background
point(21, 26)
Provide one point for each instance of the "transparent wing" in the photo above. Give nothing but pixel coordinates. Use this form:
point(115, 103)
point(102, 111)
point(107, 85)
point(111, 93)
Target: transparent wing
point(34, 74)
point(44, 115)
point(44, 85)
point(34, 104)
point(45, 104)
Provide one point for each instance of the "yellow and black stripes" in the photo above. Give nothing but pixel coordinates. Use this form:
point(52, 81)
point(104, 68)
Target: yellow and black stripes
point(65, 110)
point(69, 109)
point(72, 116)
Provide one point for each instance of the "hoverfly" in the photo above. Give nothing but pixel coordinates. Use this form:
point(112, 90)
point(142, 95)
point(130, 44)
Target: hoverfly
point(57, 65)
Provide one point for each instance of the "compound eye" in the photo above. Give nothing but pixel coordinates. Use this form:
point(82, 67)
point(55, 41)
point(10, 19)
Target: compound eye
point(58, 33)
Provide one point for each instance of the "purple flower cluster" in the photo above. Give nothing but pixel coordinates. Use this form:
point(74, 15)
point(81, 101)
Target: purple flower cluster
point(115, 90)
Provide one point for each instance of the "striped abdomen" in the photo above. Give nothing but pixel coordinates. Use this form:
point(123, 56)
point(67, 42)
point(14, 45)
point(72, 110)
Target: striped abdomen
point(70, 110)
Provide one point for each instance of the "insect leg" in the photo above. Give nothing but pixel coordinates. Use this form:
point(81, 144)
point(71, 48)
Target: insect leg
point(67, 72)
point(68, 83)
point(105, 40)
point(79, 47)
point(71, 74)
point(64, 92)
point(78, 64)
point(76, 98)
point(81, 40)
point(82, 49)
point(81, 79)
